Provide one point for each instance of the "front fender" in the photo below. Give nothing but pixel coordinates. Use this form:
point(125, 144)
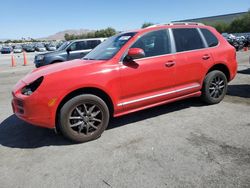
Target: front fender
point(50, 60)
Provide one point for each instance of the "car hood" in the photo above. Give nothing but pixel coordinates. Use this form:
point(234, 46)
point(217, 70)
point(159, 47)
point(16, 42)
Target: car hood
point(54, 53)
point(59, 67)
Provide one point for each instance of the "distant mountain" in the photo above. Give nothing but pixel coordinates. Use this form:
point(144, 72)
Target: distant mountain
point(60, 35)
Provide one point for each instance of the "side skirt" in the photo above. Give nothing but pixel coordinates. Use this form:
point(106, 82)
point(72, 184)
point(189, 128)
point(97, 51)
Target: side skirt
point(196, 94)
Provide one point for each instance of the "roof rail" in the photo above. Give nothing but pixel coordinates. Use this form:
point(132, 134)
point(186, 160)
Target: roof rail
point(176, 23)
point(185, 23)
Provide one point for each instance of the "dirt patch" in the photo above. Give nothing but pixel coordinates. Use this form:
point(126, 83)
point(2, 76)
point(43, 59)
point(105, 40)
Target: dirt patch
point(215, 150)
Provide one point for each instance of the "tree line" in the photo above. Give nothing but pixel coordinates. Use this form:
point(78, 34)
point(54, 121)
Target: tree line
point(103, 33)
point(239, 25)
point(20, 41)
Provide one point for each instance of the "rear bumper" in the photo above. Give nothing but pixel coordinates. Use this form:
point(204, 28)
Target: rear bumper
point(234, 70)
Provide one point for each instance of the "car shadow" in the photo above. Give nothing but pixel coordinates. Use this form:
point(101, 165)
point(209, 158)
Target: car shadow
point(154, 112)
point(239, 90)
point(245, 71)
point(15, 133)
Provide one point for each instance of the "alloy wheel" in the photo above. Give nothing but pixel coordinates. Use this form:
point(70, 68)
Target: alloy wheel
point(86, 118)
point(216, 87)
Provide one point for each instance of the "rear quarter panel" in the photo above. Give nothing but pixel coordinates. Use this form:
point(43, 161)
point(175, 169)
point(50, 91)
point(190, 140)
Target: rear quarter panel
point(225, 54)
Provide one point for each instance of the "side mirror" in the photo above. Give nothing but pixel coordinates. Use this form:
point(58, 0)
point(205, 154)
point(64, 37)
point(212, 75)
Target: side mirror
point(135, 53)
point(68, 50)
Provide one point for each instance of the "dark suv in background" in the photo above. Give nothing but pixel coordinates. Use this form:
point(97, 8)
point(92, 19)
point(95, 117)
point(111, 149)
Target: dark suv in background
point(69, 50)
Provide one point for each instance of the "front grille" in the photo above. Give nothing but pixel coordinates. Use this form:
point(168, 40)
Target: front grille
point(19, 106)
point(19, 103)
point(21, 111)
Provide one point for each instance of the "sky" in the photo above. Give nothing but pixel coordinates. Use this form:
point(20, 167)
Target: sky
point(29, 18)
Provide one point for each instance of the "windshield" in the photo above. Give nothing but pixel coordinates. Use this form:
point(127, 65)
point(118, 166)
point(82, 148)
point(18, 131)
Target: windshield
point(63, 46)
point(110, 47)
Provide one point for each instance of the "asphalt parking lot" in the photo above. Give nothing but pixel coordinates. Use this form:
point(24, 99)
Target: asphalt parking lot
point(183, 144)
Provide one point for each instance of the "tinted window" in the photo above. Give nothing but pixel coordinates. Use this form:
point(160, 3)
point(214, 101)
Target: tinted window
point(84, 45)
point(91, 44)
point(154, 43)
point(187, 39)
point(78, 46)
point(210, 38)
point(81, 45)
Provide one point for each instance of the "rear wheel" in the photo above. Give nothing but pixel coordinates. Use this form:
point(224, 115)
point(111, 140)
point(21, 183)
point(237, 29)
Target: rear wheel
point(214, 87)
point(84, 118)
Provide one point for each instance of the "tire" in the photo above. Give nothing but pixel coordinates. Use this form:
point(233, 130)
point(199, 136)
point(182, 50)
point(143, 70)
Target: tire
point(83, 118)
point(214, 87)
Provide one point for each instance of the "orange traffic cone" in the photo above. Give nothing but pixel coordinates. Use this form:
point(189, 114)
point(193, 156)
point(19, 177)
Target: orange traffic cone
point(24, 59)
point(13, 61)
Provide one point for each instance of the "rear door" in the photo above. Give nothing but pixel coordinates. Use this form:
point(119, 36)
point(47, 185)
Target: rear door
point(192, 59)
point(78, 50)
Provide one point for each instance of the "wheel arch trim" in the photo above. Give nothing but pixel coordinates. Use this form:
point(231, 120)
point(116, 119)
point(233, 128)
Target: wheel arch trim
point(221, 67)
point(85, 90)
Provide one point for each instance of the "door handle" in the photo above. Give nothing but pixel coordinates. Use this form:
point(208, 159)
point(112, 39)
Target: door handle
point(206, 57)
point(170, 64)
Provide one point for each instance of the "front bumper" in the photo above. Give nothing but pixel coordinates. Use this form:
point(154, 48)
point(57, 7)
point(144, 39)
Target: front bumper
point(39, 63)
point(33, 110)
point(17, 51)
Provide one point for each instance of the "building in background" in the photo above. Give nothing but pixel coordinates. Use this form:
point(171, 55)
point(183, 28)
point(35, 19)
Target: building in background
point(227, 18)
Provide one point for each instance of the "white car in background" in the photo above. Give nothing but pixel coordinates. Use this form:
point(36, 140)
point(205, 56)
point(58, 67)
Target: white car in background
point(18, 49)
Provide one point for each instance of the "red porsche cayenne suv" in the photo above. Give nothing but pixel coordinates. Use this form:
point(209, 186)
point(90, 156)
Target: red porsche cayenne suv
point(128, 72)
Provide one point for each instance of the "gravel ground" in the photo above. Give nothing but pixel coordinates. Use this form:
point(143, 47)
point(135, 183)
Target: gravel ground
point(183, 144)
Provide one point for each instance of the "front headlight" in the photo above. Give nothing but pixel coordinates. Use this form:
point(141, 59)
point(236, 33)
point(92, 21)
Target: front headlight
point(39, 57)
point(29, 89)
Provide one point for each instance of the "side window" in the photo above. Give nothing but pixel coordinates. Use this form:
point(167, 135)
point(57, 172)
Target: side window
point(73, 46)
point(210, 38)
point(81, 45)
point(154, 43)
point(91, 44)
point(187, 39)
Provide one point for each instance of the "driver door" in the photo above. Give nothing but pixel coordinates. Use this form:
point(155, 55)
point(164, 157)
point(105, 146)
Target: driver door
point(148, 80)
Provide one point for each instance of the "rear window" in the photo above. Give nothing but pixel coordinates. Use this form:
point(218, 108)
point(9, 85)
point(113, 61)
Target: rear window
point(187, 39)
point(210, 38)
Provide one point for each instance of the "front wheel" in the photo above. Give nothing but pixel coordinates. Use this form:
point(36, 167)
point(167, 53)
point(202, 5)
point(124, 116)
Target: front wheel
point(214, 87)
point(84, 118)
